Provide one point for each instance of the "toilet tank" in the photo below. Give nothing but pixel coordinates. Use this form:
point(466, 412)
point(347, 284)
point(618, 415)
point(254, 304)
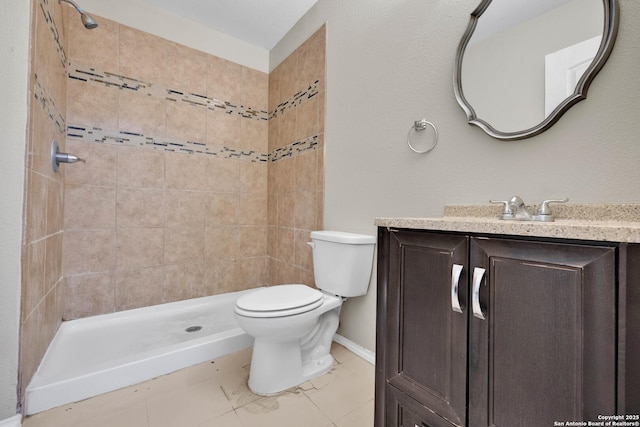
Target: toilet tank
point(342, 262)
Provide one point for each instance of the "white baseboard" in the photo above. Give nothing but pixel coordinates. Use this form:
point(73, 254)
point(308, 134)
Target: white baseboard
point(367, 355)
point(15, 421)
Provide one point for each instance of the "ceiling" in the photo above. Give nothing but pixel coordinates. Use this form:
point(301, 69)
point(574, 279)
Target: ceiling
point(261, 23)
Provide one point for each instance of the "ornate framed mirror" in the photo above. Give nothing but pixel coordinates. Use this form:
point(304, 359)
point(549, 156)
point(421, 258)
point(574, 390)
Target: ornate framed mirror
point(521, 64)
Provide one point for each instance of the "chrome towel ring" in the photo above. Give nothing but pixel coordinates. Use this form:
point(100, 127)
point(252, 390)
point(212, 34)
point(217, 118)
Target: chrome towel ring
point(418, 126)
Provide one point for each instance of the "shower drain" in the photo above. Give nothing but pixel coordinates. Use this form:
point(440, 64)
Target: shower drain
point(193, 329)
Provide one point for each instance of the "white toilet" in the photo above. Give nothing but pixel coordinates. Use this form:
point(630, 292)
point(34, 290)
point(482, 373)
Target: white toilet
point(293, 325)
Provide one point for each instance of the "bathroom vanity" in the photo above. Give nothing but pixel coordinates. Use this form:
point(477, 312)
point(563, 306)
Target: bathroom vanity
point(508, 323)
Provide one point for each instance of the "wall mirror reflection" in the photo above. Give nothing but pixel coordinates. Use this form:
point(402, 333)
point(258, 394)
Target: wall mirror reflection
point(522, 63)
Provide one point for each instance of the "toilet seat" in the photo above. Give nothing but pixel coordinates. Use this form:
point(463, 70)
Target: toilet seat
point(279, 301)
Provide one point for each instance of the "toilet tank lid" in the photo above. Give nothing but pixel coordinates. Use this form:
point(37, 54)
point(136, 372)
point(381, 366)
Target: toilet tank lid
point(343, 237)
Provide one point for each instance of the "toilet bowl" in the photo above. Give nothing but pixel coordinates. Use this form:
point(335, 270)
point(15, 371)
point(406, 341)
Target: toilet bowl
point(279, 359)
point(293, 325)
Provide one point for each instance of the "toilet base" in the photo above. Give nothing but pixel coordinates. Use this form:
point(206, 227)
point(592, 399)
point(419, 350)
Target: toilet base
point(271, 375)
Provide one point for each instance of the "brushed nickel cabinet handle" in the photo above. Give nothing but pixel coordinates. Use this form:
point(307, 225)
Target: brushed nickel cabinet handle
point(456, 270)
point(478, 274)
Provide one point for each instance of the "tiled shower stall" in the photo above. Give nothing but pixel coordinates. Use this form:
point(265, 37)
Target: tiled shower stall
point(202, 176)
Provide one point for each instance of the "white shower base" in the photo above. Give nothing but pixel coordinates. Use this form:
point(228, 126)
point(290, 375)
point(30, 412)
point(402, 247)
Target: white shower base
point(95, 355)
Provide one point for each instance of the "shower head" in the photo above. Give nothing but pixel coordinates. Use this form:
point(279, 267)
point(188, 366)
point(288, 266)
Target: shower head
point(87, 20)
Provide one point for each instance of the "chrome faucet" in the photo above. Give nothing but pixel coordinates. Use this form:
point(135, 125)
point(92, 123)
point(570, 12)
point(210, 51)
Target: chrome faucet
point(515, 209)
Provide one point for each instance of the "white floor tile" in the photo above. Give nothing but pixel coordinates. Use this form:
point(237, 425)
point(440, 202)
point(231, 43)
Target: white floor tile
point(215, 394)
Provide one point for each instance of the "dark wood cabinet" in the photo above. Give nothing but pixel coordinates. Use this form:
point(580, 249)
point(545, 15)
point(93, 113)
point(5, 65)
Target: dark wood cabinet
point(480, 330)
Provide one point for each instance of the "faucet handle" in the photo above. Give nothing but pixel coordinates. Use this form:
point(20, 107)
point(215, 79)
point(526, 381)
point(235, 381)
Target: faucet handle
point(507, 212)
point(544, 206)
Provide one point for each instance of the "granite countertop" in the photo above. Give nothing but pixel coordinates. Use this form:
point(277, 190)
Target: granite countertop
point(610, 222)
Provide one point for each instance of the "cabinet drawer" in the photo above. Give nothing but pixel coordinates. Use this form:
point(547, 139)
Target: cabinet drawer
point(403, 411)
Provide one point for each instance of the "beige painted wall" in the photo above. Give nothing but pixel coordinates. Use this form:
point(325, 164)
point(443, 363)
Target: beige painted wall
point(14, 74)
point(390, 63)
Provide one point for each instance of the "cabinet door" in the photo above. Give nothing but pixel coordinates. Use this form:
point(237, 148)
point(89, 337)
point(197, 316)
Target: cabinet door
point(426, 340)
point(545, 350)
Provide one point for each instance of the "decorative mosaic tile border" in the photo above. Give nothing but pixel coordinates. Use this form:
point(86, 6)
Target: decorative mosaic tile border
point(296, 100)
point(46, 13)
point(88, 74)
point(48, 105)
point(131, 139)
point(298, 147)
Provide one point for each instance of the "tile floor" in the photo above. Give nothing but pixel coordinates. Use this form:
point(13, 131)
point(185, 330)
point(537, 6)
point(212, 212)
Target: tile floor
point(215, 394)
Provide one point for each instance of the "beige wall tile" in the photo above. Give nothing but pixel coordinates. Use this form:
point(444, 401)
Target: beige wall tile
point(287, 128)
point(33, 280)
point(224, 79)
point(139, 168)
point(254, 135)
point(182, 282)
point(253, 209)
point(285, 177)
point(139, 247)
point(249, 273)
point(222, 209)
point(322, 102)
point(311, 60)
point(306, 171)
point(223, 175)
point(32, 343)
point(286, 209)
point(184, 245)
point(221, 243)
point(185, 171)
point(305, 210)
point(320, 181)
point(52, 315)
point(100, 166)
point(88, 206)
point(142, 56)
point(274, 129)
point(140, 208)
point(253, 177)
point(274, 88)
point(255, 89)
point(223, 129)
point(142, 114)
point(186, 122)
point(92, 105)
point(186, 69)
point(36, 207)
point(285, 245)
point(55, 207)
point(43, 132)
point(272, 209)
point(253, 241)
point(89, 295)
point(97, 47)
point(185, 208)
point(303, 255)
point(139, 287)
point(320, 211)
point(307, 119)
point(47, 64)
point(287, 78)
point(207, 222)
point(217, 279)
point(272, 240)
point(53, 261)
point(88, 251)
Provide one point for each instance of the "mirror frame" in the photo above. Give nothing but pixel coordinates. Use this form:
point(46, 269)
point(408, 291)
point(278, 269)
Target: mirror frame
point(610, 30)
